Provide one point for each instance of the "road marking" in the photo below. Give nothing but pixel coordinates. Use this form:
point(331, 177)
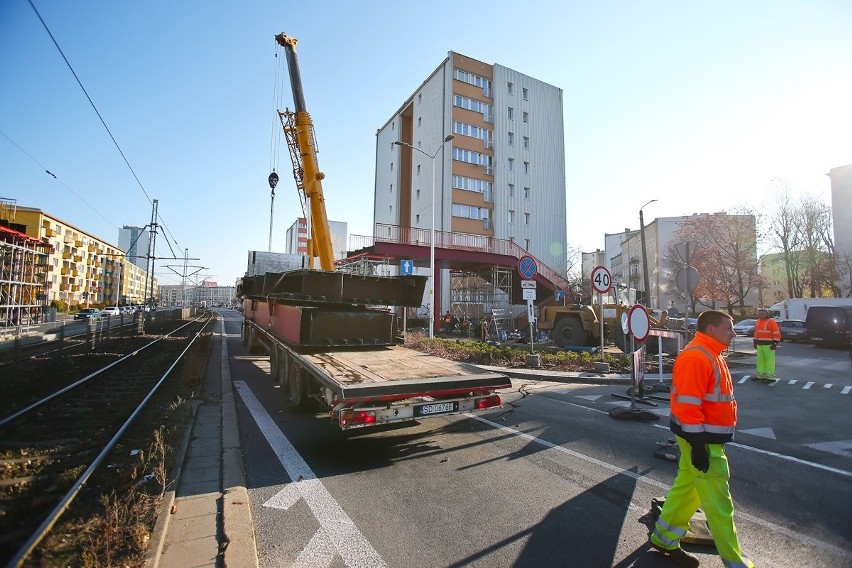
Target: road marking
point(839, 448)
point(846, 390)
point(591, 397)
point(824, 546)
point(808, 385)
point(792, 382)
point(762, 432)
point(337, 530)
point(827, 386)
point(744, 379)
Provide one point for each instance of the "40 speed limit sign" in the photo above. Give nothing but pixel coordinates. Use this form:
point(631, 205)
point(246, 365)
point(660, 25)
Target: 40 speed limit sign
point(601, 279)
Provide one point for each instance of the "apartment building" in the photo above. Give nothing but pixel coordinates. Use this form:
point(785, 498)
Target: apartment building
point(83, 269)
point(208, 294)
point(135, 241)
point(501, 176)
point(296, 238)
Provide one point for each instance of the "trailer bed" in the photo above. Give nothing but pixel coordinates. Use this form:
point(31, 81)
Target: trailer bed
point(397, 370)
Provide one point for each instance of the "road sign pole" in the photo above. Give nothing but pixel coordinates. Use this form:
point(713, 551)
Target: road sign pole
point(600, 304)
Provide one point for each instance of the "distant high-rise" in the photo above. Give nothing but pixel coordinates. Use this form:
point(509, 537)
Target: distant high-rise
point(296, 238)
point(135, 241)
point(502, 176)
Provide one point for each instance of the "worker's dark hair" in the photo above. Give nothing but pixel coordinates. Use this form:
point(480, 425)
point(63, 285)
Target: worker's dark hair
point(711, 317)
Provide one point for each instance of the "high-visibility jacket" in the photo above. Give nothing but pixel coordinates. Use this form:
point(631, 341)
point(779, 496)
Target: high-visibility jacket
point(702, 395)
point(766, 332)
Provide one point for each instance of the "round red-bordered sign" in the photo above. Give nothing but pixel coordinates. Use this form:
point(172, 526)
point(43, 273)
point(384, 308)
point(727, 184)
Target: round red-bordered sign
point(639, 322)
point(601, 279)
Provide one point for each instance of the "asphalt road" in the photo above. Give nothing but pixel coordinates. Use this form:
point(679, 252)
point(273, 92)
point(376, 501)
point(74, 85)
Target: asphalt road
point(551, 479)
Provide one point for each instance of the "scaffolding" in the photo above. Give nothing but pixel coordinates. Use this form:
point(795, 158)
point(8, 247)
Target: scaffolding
point(23, 278)
point(484, 296)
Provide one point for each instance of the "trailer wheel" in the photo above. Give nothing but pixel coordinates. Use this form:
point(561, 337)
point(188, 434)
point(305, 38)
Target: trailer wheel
point(569, 331)
point(298, 387)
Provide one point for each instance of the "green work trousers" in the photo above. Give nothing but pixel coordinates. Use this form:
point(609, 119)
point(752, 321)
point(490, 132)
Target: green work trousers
point(765, 362)
point(693, 488)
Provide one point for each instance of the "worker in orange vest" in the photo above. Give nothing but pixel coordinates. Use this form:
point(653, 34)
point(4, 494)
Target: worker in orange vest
point(766, 339)
point(703, 417)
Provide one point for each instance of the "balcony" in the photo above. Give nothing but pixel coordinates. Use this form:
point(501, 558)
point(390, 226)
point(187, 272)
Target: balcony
point(49, 233)
point(78, 258)
point(65, 271)
point(91, 248)
point(78, 243)
point(66, 255)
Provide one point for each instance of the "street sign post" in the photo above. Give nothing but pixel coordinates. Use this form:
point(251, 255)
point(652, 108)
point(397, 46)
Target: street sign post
point(601, 282)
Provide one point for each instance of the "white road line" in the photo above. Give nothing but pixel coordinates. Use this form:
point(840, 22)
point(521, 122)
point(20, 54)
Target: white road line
point(846, 390)
point(827, 386)
point(336, 526)
point(744, 379)
point(824, 546)
point(792, 382)
point(808, 385)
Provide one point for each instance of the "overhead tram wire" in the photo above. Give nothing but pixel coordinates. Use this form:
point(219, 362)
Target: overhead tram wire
point(97, 112)
point(54, 176)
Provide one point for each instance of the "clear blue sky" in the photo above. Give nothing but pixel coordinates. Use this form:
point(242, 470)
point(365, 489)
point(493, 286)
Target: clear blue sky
point(699, 105)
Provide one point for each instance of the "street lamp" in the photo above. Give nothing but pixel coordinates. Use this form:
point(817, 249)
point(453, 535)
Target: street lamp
point(432, 233)
point(645, 283)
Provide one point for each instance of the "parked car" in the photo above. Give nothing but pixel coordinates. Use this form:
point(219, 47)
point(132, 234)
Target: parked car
point(745, 327)
point(792, 330)
point(829, 325)
point(88, 313)
point(111, 311)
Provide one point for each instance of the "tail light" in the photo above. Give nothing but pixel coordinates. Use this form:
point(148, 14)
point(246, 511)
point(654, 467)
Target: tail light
point(488, 402)
point(357, 418)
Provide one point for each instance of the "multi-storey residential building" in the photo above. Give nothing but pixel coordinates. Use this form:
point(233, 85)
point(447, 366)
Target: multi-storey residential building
point(501, 176)
point(207, 293)
point(135, 240)
point(841, 210)
point(660, 236)
point(297, 238)
point(83, 269)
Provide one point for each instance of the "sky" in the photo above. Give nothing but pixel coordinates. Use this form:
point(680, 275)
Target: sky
point(703, 106)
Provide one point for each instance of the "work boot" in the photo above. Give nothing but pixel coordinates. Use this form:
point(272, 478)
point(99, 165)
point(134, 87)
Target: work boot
point(679, 555)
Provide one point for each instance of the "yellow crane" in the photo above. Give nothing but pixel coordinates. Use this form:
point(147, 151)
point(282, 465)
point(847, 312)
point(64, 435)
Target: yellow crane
point(301, 142)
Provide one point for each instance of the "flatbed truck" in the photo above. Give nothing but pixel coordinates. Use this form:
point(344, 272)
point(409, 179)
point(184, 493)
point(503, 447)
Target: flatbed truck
point(362, 387)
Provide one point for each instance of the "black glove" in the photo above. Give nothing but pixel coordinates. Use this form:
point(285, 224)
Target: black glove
point(700, 457)
point(774, 346)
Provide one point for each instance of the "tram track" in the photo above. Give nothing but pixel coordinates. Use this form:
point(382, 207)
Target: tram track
point(50, 448)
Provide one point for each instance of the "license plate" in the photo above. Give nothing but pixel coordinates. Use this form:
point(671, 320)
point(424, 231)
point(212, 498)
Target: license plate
point(435, 408)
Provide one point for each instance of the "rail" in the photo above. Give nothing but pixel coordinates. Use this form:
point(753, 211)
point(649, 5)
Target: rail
point(454, 241)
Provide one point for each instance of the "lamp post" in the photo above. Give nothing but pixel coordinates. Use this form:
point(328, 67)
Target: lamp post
point(645, 283)
point(431, 157)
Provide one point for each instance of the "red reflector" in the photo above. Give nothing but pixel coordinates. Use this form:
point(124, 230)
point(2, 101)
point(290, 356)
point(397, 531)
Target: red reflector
point(489, 402)
point(357, 417)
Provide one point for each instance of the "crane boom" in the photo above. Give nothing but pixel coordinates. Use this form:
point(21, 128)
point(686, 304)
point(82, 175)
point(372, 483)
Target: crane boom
point(298, 130)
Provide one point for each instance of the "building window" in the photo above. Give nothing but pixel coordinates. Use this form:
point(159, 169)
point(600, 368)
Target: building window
point(527, 244)
point(526, 193)
point(470, 130)
point(526, 94)
point(511, 113)
point(417, 219)
point(472, 184)
point(418, 194)
point(511, 190)
point(526, 167)
point(526, 218)
point(418, 169)
point(509, 88)
point(419, 98)
point(391, 166)
point(511, 139)
point(526, 117)
point(511, 164)
point(469, 211)
point(419, 121)
point(526, 142)
point(391, 188)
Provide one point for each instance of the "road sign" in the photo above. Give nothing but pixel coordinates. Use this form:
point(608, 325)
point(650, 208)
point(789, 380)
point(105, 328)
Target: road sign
point(406, 267)
point(527, 267)
point(529, 293)
point(685, 250)
point(559, 294)
point(528, 284)
point(601, 279)
point(638, 322)
point(530, 312)
point(687, 279)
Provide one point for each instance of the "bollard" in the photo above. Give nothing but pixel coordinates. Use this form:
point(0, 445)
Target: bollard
point(90, 333)
point(533, 360)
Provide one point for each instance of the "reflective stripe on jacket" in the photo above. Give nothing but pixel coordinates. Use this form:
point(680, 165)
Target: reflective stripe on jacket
point(766, 331)
point(702, 395)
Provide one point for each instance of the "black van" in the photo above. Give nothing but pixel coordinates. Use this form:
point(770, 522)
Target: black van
point(829, 325)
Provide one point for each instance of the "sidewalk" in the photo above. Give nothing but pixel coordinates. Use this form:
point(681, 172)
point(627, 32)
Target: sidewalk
point(206, 519)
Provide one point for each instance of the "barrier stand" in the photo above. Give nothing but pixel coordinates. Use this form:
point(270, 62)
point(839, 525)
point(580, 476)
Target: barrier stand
point(637, 372)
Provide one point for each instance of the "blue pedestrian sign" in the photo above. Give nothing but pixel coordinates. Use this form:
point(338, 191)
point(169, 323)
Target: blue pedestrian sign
point(558, 295)
point(406, 267)
point(527, 267)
